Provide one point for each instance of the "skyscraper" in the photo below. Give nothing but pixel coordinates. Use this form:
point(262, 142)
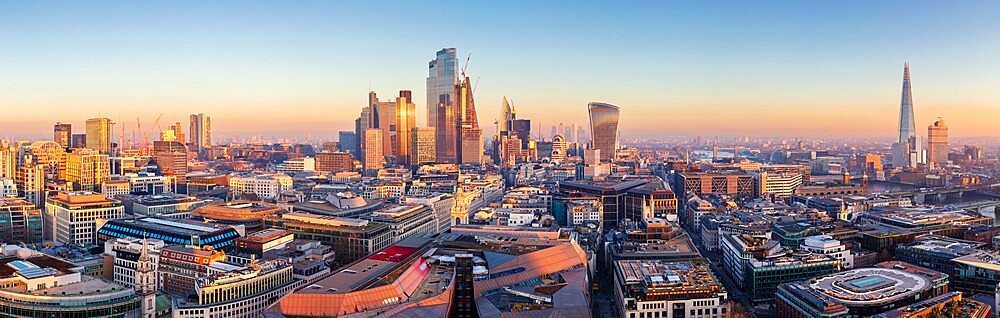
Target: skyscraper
point(470, 141)
point(937, 142)
point(906, 127)
point(374, 159)
point(441, 107)
point(99, 135)
point(506, 116)
point(62, 134)
point(405, 121)
point(348, 141)
point(422, 145)
point(200, 133)
point(906, 150)
point(604, 129)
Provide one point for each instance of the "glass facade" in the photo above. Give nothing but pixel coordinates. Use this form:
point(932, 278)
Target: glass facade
point(604, 128)
point(441, 111)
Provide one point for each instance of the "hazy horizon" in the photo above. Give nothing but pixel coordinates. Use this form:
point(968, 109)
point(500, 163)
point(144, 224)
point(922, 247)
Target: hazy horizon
point(305, 68)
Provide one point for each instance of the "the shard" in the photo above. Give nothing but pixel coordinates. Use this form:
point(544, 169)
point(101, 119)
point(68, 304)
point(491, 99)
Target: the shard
point(907, 129)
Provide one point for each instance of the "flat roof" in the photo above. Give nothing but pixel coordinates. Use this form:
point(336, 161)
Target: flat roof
point(870, 286)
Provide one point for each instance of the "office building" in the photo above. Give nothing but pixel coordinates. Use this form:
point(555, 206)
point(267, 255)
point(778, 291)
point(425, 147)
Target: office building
point(181, 267)
point(604, 129)
point(172, 158)
point(87, 169)
point(263, 186)
point(937, 142)
point(99, 135)
point(78, 141)
point(827, 245)
point(113, 188)
point(374, 158)
point(8, 159)
point(439, 203)
point(39, 285)
point(20, 221)
point(351, 238)
point(347, 141)
point(334, 162)
point(200, 133)
point(759, 265)
point(730, 182)
point(442, 110)
point(423, 145)
point(294, 165)
point(653, 288)
point(167, 205)
point(62, 134)
point(862, 292)
point(611, 192)
point(238, 292)
point(470, 136)
point(405, 121)
point(71, 217)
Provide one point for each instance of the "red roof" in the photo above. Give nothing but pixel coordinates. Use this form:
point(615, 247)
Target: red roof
point(394, 253)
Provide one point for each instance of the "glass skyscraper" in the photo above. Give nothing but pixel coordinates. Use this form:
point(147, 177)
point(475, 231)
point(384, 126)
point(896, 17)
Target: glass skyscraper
point(441, 111)
point(604, 128)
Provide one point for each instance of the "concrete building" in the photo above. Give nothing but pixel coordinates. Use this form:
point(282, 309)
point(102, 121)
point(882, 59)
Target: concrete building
point(99, 135)
point(71, 217)
point(668, 290)
point(168, 205)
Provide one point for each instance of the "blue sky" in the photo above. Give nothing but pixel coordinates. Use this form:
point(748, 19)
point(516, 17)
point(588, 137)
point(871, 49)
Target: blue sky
point(692, 68)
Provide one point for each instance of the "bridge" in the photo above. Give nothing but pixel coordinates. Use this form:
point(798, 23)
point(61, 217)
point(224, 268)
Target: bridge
point(940, 194)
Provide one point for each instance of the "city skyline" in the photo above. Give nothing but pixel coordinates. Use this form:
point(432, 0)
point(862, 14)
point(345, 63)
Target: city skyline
point(744, 77)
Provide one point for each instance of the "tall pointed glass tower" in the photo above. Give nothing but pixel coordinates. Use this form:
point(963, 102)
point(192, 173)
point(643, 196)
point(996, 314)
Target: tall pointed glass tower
point(907, 129)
